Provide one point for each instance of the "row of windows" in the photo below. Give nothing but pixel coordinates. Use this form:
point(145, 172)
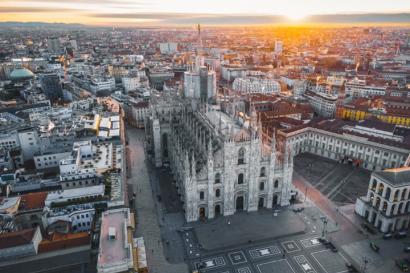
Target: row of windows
point(377, 152)
point(218, 176)
point(46, 164)
point(45, 158)
point(218, 191)
point(79, 183)
point(86, 215)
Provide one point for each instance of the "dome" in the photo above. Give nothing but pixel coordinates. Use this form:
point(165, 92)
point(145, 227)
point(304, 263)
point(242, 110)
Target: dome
point(19, 74)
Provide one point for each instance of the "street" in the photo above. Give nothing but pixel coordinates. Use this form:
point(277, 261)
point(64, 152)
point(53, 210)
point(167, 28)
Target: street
point(148, 222)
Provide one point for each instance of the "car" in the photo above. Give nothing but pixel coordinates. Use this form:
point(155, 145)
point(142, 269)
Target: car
point(400, 235)
point(407, 249)
point(387, 236)
point(298, 210)
point(402, 264)
point(375, 247)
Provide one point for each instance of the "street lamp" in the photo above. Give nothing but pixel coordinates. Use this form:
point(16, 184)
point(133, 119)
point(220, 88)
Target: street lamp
point(324, 220)
point(306, 190)
point(365, 262)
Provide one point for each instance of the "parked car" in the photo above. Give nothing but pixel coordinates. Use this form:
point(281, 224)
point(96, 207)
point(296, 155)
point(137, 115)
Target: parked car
point(400, 235)
point(402, 264)
point(375, 247)
point(407, 249)
point(388, 236)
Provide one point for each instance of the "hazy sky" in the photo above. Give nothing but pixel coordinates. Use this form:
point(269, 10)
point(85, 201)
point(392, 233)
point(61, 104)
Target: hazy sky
point(157, 12)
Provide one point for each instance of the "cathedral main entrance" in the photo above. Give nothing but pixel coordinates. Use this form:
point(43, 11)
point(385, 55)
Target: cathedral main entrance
point(239, 203)
point(260, 203)
point(274, 200)
point(217, 210)
point(202, 212)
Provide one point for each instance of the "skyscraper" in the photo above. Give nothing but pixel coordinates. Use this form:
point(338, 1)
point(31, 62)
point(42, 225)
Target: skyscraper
point(199, 80)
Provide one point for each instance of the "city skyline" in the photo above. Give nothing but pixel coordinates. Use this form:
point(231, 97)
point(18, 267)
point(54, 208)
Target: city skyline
point(160, 12)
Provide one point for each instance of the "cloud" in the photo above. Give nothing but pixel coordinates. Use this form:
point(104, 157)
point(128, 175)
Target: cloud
point(230, 19)
point(186, 18)
point(99, 2)
point(34, 10)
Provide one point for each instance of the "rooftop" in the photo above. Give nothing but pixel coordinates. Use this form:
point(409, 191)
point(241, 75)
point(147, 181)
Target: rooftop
point(396, 177)
point(34, 200)
point(18, 238)
point(115, 252)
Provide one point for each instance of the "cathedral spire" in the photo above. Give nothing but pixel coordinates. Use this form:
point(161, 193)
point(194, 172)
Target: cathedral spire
point(193, 165)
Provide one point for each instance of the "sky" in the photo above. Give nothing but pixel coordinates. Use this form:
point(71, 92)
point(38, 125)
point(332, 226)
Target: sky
point(185, 12)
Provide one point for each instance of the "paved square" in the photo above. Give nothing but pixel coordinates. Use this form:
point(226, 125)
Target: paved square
point(280, 266)
point(311, 242)
point(330, 262)
point(244, 270)
point(264, 252)
point(237, 257)
point(304, 264)
point(290, 246)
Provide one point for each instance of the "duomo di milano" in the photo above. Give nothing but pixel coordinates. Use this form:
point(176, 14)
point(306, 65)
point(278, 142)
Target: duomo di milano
point(220, 165)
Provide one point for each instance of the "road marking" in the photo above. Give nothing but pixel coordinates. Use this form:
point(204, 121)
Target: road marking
point(211, 263)
point(327, 250)
point(290, 246)
point(310, 242)
point(237, 257)
point(245, 269)
point(304, 264)
point(271, 262)
point(264, 251)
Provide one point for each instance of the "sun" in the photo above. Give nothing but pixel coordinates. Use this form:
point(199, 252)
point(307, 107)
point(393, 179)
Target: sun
point(296, 15)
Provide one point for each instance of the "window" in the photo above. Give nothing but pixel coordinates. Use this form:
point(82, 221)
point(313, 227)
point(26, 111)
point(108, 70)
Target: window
point(276, 185)
point(218, 193)
point(263, 172)
point(261, 186)
point(201, 195)
point(241, 156)
point(217, 178)
point(240, 179)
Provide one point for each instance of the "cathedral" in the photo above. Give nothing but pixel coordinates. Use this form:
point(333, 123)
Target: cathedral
point(221, 164)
